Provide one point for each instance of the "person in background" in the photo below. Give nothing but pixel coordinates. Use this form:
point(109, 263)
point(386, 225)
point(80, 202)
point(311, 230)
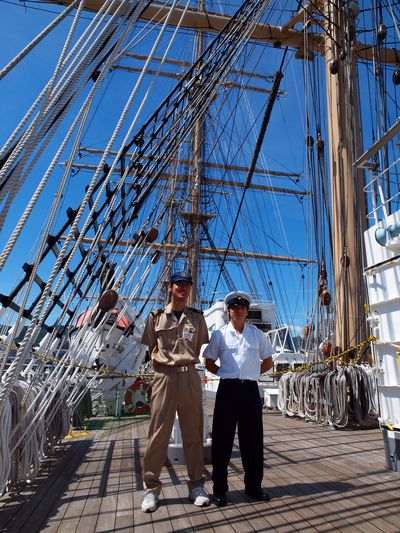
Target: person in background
point(244, 352)
point(174, 336)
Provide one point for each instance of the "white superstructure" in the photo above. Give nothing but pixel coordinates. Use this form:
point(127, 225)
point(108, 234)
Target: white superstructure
point(382, 243)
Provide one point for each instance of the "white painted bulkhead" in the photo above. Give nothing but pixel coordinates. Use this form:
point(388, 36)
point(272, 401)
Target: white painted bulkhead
point(382, 275)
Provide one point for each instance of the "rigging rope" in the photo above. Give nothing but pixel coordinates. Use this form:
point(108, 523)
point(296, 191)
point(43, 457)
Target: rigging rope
point(58, 97)
point(20, 357)
point(39, 38)
point(263, 129)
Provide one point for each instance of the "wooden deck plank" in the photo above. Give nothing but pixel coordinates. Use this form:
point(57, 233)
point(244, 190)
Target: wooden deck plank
point(256, 514)
point(124, 517)
point(105, 488)
point(142, 521)
point(177, 515)
point(10, 506)
point(357, 445)
point(327, 499)
point(77, 491)
point(36, 501)
point(321, 480)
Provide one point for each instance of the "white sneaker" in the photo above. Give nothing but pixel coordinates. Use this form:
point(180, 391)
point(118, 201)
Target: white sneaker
point(149, 502)
point(199, 497)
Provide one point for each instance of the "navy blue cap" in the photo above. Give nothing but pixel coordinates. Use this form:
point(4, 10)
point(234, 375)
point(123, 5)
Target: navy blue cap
point(181, 276)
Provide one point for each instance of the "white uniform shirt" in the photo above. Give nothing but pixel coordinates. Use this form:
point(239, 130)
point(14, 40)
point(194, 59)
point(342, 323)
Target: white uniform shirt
point(239, 353)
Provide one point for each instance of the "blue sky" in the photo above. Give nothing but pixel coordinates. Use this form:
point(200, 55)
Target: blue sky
point(20, 86)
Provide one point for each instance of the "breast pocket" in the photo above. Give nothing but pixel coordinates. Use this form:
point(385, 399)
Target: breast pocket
point(251, 351)
point(229, 350)
point(166, 337)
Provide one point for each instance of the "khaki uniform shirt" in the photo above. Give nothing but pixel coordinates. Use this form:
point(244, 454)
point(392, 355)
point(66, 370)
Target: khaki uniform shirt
point(172, 342)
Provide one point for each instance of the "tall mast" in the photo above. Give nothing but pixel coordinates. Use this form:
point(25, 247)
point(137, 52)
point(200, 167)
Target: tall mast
point(197, 169)
point(345, 145)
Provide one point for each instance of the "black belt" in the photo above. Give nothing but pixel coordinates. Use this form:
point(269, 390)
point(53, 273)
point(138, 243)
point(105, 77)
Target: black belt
point(237, 380)
point(182, 368)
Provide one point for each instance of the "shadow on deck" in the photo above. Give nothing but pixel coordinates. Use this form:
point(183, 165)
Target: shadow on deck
point(320, 480)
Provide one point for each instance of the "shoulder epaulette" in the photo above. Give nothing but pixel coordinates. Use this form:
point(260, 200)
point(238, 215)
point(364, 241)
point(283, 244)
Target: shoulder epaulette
point(196, 310)
point(156, 312)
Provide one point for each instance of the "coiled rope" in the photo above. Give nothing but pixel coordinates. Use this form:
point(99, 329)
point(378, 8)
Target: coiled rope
point(341, 397)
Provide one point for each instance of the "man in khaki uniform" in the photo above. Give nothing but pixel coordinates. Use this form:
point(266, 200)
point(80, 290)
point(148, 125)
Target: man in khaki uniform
point(174, 336)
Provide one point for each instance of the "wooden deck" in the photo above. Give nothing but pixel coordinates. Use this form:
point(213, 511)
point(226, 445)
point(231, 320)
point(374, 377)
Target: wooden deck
point(320, 480)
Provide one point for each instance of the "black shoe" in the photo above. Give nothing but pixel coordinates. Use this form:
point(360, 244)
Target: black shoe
point(258, 494)
point(220, 500)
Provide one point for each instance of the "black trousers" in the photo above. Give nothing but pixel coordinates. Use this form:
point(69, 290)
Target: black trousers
point(237, 403)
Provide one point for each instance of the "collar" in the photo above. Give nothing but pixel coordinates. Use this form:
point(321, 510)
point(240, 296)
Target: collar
point(168, 309)
point(231, 328)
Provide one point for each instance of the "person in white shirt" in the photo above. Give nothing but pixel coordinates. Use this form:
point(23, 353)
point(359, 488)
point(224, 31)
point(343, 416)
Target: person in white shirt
point(244, 352)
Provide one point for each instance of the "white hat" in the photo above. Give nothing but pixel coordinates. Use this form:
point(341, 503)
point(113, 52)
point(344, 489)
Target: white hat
point(237, 298)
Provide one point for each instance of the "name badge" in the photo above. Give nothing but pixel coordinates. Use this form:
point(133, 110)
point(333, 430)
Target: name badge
point(187, 333)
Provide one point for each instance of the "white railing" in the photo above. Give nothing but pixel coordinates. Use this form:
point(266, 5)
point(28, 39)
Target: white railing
point(281, 339)
point(375, 191)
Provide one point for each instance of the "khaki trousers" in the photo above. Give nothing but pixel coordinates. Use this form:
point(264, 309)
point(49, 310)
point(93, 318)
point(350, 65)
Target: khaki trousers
point(172, 392)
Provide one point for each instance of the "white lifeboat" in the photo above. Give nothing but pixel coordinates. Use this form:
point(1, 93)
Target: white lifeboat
point(109, 340)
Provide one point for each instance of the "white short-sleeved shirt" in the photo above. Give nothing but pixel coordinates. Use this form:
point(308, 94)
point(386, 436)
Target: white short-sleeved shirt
point(239, 353)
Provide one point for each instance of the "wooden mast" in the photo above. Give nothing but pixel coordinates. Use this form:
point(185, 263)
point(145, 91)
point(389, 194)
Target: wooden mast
point(197, 170)
point(348, 206)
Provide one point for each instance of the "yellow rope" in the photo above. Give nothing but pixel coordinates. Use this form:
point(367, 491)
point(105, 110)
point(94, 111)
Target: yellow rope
point(98, 371)
point(72, 435)
point(303, 368)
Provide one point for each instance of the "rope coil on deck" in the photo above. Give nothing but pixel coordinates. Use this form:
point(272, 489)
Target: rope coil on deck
point(343, 396)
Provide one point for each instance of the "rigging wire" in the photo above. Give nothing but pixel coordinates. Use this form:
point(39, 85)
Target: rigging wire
point(38, 39)
point(77, 244)
point(20, 357)
point(257, 149)
point(130, 283)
